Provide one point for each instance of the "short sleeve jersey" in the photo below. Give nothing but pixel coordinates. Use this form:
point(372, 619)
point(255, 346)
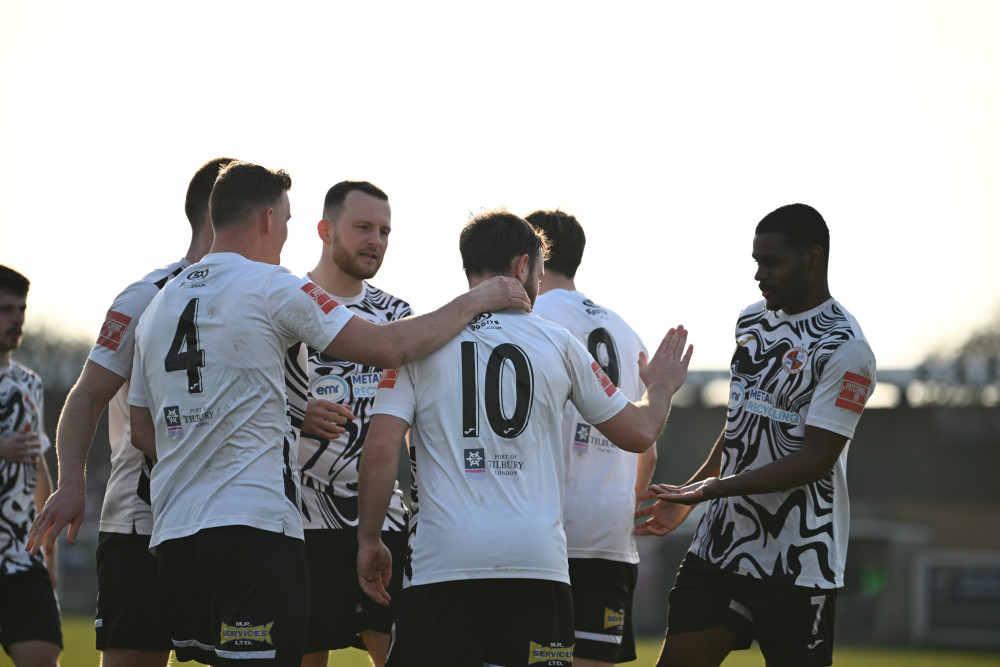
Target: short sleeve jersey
point(485, 414)
point(329, 468)
point(21, 397)
point(600, 477)
point(209, 366)
point(789, 371)
point(126, 499)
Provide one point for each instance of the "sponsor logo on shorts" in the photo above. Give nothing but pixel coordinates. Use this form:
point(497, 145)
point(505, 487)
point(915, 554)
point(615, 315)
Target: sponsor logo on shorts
point(613, 618)
point(582, 438)
point(552, 653)
point(606, 383)
point(759, 402)
point(388, 380)
point(853, 392)
point(795, 360)
point(325, 302)
point(243, 634)
point(113, 330)
point(172, 415)
point(330, 388)
point(475, 463)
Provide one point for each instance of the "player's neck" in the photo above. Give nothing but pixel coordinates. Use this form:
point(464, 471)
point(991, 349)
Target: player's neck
point(5, 358)
point(332, 279)
point(553, 280)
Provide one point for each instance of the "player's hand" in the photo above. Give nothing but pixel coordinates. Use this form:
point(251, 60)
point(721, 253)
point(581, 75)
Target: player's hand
point(499, 293)
point(64, 507)
point(325, 418)
point(22, 446)
point(689, 494)
point(669, 364)
point(375, 570)
point(664, 516)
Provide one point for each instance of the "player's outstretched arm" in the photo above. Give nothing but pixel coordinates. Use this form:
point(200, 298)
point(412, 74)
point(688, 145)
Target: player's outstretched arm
point(74, 434)
point(376, 479)
point(812, 462)
point(638, 425)
point(393, 344)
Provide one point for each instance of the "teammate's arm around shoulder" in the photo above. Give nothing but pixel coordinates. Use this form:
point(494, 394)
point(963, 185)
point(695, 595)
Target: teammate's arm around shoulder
point(638, 425)
point(376, 480)
point(395, 343)
point(74, 434)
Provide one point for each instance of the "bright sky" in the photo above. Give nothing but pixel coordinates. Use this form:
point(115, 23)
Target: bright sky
point(668, 128)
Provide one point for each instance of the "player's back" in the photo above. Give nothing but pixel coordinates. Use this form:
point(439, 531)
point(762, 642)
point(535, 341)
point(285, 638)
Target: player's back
point(211, 346)
point(600, 477)
point(485, 428)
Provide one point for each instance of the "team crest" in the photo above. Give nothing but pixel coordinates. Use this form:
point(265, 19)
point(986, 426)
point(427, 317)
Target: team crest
point(794, 360)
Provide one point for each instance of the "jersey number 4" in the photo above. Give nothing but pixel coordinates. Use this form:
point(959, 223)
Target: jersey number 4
point(184, 353)
point(505, 358)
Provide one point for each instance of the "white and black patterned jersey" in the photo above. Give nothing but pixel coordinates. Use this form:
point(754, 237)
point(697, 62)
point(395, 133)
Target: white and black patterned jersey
point(209, 359)
point(126, 500)
point(21, 402)
point(485, 415)
point(600, 477)
point(328, 469)
point(789, 371)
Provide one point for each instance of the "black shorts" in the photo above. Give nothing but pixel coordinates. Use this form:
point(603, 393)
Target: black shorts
point(338, 608)
point(508, 622)
point(236, 595)
point(28, 609)
point(602, 607)
point(129, 606)
point(792, 624)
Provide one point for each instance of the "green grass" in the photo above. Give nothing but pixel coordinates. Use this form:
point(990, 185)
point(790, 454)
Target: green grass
point(78, 637)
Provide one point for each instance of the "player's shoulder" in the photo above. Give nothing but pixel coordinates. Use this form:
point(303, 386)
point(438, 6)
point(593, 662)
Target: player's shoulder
point(24, 375)
point(132, 300)
point(392, 306)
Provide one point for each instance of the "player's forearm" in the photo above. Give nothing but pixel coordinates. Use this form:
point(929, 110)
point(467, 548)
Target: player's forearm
point(74, 435)
point(797, 469)
point(645, 467)
point(376, 480)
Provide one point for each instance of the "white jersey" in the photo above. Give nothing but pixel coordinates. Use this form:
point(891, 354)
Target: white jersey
point(208, 364)
point(788, 372)
point(485, 414)
point(21, 402)
point(126, 499)
point(328, 469)
point(600, 477)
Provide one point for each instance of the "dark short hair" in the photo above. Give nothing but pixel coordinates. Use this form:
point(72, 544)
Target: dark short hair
point(13, 282)
point(566, 238)
point(800, 224)
point(333, 205)
point(492, 240)
point(242, 189)
point(200, 188)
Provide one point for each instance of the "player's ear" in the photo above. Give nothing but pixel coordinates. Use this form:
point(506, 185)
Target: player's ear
point(265, 220)
point(520, 267)
point(324, 229)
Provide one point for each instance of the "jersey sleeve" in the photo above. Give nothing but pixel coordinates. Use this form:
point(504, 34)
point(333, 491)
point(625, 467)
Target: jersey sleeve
point(116, 341)
point(841, 394)
point(304, 311)
point(395, 395)
point(594, 395)
point(137, 385)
